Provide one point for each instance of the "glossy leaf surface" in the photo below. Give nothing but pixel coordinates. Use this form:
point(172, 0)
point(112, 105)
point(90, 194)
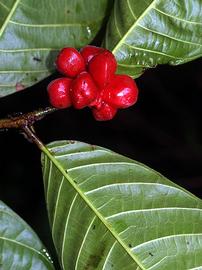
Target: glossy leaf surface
point(145, 33)
point(20, 247)
point(109, 212)
point(32, 32)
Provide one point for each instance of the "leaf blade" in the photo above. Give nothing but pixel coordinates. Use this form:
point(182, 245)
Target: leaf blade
point(152, 32)
point(32, 33)
point(88, 187)
point(20, 246)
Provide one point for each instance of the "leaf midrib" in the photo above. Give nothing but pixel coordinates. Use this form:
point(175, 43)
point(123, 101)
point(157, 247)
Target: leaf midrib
point(133, 26)
point(99, 216)
point(8, 17)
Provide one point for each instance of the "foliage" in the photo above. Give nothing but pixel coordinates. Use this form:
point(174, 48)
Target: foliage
point(20, 247)
point(32, 32)
point(106, 211)
point(109, 212)
point(141, 34)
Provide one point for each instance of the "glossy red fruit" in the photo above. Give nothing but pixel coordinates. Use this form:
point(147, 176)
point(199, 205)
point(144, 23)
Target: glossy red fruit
point(58, 92)
point(102, 67)
point(89, 51)
point(104, 113)
point(122, 92)
point(97, 102)
point(70, 62)
point(83, 90)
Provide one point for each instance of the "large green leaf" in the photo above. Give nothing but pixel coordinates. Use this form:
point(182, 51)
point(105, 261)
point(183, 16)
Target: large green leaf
point(32, 32)
point(110, 212)
point(20, 247)
point(144, 33)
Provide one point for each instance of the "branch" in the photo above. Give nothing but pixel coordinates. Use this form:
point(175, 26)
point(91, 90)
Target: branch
point(25, 123)
point(28, 119)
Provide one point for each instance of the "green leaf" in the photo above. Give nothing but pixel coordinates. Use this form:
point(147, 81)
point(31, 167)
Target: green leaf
point(145, 33)
point(109, 212)
point(32, 32)
point(20, 247)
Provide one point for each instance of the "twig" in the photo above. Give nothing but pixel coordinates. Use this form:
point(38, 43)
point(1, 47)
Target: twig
point(25, 123)
point(27, 119)
point(31, 136)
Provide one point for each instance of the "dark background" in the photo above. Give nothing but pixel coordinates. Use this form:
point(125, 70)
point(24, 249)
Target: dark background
point(163, 130)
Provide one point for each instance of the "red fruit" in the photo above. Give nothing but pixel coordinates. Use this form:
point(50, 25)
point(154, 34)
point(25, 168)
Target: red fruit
point(104, 113)
point(102, 68)
point(122, 92)
point(58, 92)
point(70, 62)
point(83, 90)
point(88, 52)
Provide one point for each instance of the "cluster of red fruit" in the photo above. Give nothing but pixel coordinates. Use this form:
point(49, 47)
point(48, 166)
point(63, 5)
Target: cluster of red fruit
point(90, 80)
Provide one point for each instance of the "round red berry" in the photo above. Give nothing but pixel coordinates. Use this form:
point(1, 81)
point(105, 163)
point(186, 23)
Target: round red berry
point(70, 62)
point(104, 113)
point(89, 51)
point(96, 103)
point(83, 90)
point(122, 92)
point(58, 92)
point(102, 67)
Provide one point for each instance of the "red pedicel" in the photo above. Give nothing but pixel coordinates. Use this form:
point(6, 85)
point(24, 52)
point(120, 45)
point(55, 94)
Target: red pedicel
point(89, 51)
point(58, 92)
point(70, 62)
point(83, 90)
point(104, 113)
point(122, 92)
point(102, 68)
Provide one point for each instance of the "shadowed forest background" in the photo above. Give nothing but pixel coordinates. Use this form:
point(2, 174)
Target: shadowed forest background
point(163, 130)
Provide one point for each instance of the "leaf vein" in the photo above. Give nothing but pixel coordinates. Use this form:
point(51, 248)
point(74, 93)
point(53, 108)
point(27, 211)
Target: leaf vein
point(152, 210)
point(108, 255)
point(56, 206)
point(24, 71)
point(132, 66)
point(170, 37)
point(4, 6)
point(133, 26)
point(155, 52)
point(98, 164)
point(46, 25)
point(134, 184)
point(28, 50)
point(176, 18)
point(49, 179)
point(65, 230)
point(13, 9)
point(131, 10)
point(26, 246)
point(83, 242)
point(8, 85)
point(79, 153)
point(166, 237)
point(115, 20)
